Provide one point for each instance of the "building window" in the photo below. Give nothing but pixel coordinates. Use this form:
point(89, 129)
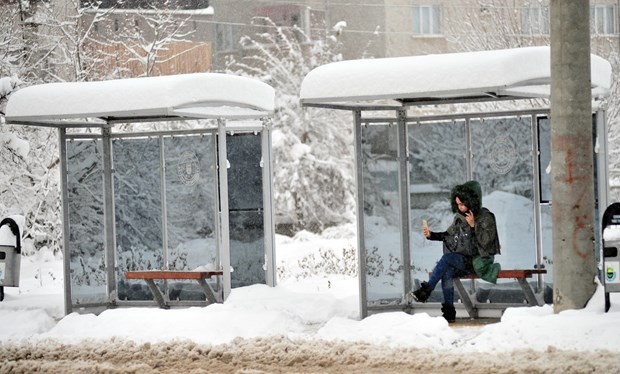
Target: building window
point(426, 20)
point(603, 19)
point(535, 20)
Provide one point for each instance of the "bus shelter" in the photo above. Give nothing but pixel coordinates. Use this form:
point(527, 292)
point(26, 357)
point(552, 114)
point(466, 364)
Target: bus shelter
point(424, 124)
point(159, 173)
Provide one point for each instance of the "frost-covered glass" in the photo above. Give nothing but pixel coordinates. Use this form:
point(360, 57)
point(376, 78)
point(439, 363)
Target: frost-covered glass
point(437, 157)
point(382, 240)
point(502, 163)
point(86, 223)
point(191, 209)
point(138, 211)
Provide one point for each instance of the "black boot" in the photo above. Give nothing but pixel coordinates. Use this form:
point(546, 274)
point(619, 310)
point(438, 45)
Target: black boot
point(449, 313)
point(421, 294)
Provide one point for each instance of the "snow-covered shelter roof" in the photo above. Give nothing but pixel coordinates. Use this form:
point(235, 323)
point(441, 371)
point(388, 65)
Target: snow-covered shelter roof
point(200, 95)
point(508, 73)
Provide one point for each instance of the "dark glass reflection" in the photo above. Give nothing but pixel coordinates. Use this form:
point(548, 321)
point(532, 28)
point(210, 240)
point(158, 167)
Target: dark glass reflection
point(245, 202)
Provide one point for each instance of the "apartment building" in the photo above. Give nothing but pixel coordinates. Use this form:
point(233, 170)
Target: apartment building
point(391, 28)
point(406, 27)
point(233, 20)
point(209, 31)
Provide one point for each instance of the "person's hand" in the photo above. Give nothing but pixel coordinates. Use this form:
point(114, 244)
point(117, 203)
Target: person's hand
point(425, 231)
point(469, 217)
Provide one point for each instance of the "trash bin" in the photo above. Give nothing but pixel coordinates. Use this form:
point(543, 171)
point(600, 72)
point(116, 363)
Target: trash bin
point(10, 257)
point(611, 251)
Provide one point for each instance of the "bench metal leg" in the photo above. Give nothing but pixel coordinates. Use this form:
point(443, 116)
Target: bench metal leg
point(531, 298)
point(607, 302)
point(157, 295)
point(207, 290)
point(466, 298)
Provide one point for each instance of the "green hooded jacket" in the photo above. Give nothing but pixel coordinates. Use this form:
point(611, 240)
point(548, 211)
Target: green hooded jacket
point(485, 230)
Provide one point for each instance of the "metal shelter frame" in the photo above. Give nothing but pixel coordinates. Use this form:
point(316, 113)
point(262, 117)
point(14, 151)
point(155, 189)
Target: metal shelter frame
point(216, 104)
point(371, 88)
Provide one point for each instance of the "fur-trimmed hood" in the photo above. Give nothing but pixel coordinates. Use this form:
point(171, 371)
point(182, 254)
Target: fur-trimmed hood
point(470, 194)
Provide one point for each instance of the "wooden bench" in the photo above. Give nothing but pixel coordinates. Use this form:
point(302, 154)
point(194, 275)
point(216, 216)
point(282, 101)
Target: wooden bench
point(521, 275)
point(150, 276)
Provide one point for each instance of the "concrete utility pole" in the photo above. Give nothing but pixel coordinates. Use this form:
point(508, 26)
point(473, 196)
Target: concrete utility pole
point(572, 186)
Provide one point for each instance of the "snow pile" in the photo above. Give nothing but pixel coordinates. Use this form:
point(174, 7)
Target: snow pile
point(304, 324)
point(320, 306)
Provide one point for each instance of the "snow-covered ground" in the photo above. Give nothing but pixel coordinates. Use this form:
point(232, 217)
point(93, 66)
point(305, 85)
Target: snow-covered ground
point(306, 318)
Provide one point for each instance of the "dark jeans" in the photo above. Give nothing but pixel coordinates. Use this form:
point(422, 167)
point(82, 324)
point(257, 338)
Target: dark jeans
point(449, 266)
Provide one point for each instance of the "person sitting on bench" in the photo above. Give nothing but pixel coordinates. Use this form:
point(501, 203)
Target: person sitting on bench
point(469, 245)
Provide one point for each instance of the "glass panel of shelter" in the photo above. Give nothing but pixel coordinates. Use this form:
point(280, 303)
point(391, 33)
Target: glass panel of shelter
point(190, 209)
point(544, 160)
point(163, 184)
point(502, 163)
point(544, 138)
point(245, 205)
point(437, 157)
point(86, 234)
point(138, 212)
point(382, 224)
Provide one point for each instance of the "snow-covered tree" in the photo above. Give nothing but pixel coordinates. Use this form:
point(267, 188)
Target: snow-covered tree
point(53, 42)
point(46, 42)
point(41, 42)
point(612, 115)
point(29, 183)
point(313, 148)
point(71, 35)
point(146, 42)
point(12, 47)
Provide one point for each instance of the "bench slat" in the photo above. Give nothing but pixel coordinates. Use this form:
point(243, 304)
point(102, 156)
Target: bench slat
point(513, 273)
point(171, 274)
point(525, 273)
